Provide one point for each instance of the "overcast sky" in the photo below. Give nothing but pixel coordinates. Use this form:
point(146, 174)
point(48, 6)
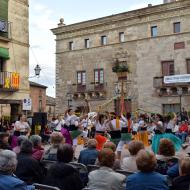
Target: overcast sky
point(45, 14)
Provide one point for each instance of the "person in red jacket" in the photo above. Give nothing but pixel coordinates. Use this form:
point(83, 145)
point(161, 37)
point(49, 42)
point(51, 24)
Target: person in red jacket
point(183, 131)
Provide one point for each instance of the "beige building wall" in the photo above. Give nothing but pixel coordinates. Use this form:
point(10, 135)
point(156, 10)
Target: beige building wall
point(142, 53)
point(18, 45)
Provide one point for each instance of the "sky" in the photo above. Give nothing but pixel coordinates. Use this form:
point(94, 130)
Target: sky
point(45, 14)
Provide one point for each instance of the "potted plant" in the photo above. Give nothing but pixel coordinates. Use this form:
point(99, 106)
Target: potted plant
point(121, 70)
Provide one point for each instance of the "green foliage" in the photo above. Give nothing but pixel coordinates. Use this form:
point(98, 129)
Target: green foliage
point(120, 68)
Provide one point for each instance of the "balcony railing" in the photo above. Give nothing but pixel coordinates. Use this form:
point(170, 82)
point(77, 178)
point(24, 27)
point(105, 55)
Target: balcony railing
point(5, 29)
point(9, 81)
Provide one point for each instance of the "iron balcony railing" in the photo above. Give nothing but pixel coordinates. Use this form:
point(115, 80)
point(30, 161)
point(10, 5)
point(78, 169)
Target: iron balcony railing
point(76, 88)
point(9, 81)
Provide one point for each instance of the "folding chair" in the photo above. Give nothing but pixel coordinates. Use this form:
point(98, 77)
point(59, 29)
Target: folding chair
point(83, 172)
point(44, 187)
point(91, 167)
point(126, 173)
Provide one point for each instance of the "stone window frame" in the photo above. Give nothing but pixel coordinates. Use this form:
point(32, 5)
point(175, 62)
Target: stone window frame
point(71, 45)
point(121, 36)
point(82, 80)
point(175, 29)
point(188, 65)
point(104, 40)
point(170, 68)
point(99, 81)
point(87, 43)
point(152, 31)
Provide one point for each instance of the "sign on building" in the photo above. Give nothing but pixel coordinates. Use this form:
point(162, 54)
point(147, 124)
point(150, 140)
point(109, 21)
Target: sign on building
point(27, 104)
point(177, 79)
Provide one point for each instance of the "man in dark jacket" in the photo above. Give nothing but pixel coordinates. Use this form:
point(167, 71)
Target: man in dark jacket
point(183, 181)
point(28, 169)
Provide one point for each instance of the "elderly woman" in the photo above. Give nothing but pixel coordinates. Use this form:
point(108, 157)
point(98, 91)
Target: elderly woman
point(89, 155)
point(56, 139)
point(8, 181)
point(105, 178)
point(61, 174)
point(38, 150)
point(129, 163)
point(146, 178)
point(20, 139)
point(28, 169)
point(166, 156)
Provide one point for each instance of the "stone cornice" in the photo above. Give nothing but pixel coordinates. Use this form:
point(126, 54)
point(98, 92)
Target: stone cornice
point(158, 9)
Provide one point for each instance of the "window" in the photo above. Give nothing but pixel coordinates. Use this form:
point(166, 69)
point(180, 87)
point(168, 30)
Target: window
point(99, 76)
point(168, 68)
point(103, 40)
point(154, 31)
point(121, 37)
point(81, 77)
point(188, 66)
point(40, 105)
point(170, 108)
point(71, 45)
point(177, 27)
point(87, 43)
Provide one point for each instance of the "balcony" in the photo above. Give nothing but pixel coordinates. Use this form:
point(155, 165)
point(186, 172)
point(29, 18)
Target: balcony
point(92, 91)
point(163, 89)
point(5, 30)
point(9, 81)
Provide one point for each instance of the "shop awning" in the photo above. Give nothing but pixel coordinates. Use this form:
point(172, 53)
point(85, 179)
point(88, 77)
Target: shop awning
point(4, 53)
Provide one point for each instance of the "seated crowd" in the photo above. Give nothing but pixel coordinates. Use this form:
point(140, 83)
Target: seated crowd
point(141, 169)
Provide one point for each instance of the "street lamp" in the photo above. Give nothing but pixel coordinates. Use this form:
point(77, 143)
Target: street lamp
point(180, 92)
point(37, 70)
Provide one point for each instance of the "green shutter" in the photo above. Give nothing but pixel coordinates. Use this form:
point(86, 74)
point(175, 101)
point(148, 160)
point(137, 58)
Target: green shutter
point(4, 53)
point(4, 10)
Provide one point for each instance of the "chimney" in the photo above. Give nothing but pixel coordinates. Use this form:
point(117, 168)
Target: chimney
point(149, 5)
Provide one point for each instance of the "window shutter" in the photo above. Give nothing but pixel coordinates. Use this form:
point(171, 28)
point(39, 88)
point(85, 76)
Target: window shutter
point(4, 10)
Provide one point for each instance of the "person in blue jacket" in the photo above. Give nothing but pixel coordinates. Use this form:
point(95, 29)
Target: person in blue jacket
point(146, 178)
point(8, 181)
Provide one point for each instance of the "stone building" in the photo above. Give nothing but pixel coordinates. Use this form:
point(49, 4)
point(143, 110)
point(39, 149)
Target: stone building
point(14, 54)
point(154, 42)
point(50, 106)
point(38, 97)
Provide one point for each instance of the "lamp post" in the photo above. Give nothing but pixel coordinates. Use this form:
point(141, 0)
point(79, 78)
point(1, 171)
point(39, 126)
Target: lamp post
point(180, 92)
point(37, 70)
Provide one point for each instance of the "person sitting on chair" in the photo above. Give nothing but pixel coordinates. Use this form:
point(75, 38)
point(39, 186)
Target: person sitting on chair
point(146, 178)
point(105, 178)
point(61, 174)
point(89, 155)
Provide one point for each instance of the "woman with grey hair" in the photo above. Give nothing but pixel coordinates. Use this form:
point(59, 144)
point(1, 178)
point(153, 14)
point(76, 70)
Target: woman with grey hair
point(8, 181)
point(38, 150)
point(19, 141)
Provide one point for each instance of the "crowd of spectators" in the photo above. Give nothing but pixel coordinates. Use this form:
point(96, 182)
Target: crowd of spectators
point(24, 165)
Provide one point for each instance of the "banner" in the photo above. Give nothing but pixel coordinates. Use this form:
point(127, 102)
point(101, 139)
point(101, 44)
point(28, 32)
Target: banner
point(177, 79)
